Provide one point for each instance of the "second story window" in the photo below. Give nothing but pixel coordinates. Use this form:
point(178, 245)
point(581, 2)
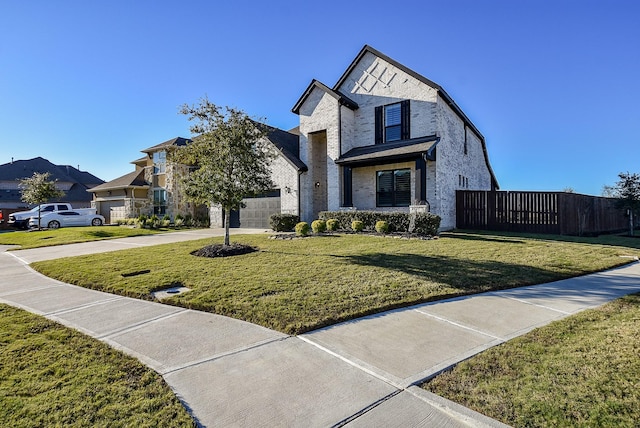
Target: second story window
point(159, 162)
point(392, 122)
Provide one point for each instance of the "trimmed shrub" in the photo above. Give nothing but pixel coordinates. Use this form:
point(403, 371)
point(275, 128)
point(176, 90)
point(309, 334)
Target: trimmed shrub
point(427, 224)
point(382, 227)
point(142, 220)
point(154, 222)
point(357, 226)
point(179, 222)
point(283, 222)
point(332, 225)
point(318, 226)
point(302, 228)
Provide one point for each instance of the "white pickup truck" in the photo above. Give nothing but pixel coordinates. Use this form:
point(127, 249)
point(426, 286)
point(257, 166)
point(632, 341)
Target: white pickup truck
point(20, 219)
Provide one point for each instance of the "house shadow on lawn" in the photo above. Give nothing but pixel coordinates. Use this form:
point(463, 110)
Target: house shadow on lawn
point(621, 240)
point(467, 276)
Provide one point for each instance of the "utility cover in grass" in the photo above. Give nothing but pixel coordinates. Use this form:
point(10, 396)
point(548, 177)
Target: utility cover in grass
point(220, 250)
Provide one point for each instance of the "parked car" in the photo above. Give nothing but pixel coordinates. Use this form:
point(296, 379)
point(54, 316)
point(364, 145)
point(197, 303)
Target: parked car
point(20, 219)
point(65, 219)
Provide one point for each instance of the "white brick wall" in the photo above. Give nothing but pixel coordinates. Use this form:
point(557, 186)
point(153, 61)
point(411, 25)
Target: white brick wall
point(374, 82)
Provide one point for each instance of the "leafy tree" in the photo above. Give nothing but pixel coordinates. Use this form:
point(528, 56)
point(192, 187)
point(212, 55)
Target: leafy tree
point(230, 155)
point(627, 191)
point(38, 189)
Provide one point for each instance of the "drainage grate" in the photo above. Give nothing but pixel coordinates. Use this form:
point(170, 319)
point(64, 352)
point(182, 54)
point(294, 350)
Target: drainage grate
point(169, 292)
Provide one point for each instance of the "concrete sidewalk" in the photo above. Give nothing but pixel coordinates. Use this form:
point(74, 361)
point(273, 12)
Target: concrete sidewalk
point(358, 373)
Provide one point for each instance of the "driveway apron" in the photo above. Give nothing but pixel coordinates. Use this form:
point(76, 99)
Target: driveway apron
point(364, 372)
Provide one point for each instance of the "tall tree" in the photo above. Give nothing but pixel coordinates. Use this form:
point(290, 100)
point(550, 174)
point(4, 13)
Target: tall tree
point(38, 189)
point(627, 191)
point(230, 155)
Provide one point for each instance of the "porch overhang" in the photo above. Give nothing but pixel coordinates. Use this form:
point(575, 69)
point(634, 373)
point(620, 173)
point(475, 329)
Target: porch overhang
point(407, 150)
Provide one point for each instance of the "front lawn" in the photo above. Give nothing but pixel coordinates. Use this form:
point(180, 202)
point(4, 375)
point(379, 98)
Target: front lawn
point(71, 235)
point(51, 375)
point(580, 371)
point(299, 285)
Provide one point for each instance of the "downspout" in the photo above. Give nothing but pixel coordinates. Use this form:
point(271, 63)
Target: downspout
point(341, 185)
point(299, 195)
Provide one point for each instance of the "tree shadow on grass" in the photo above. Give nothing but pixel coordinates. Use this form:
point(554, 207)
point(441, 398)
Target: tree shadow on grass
point(467, 276)
point(100, 234)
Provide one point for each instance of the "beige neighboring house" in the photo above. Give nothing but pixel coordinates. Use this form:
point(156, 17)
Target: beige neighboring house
point(152, 188)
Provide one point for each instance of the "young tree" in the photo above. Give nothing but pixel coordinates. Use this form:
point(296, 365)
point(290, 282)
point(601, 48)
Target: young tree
point(627, 191)
point(38, 189)
point(230, 156)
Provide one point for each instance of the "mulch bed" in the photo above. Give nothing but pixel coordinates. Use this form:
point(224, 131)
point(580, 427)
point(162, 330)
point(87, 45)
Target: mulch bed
point(220, 250)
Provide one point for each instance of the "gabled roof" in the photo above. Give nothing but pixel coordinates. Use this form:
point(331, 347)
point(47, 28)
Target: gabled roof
point(288, 144)
point(342, 99)
point(18, 170)
point(390, 152)
point(140, 161)
point(178, 141)
point(443, 94)
point(133, 179)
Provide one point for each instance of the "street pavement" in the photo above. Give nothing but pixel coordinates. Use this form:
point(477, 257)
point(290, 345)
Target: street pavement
point(360, 373)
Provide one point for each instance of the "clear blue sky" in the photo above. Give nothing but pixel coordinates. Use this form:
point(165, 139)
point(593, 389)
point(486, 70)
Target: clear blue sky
point(554, 85)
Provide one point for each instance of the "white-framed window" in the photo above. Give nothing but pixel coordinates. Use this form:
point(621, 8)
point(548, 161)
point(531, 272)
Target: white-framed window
point(159, 162)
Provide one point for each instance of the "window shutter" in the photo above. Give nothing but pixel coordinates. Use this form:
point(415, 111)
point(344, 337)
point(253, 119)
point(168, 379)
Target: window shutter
point(405, 112)
point(379, 125)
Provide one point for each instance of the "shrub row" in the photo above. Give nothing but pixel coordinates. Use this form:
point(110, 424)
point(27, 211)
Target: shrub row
point(155, 222)
point(423, 223)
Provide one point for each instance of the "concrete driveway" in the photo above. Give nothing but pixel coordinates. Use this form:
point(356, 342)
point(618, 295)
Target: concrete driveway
point(358, 373)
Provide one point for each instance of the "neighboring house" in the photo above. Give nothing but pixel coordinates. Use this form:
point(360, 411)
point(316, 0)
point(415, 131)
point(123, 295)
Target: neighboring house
point(153, 188)
point(72, 181)
point(386, 138)
point(382, 138)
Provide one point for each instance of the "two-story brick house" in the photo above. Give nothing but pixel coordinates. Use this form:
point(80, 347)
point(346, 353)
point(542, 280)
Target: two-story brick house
point(386, 138)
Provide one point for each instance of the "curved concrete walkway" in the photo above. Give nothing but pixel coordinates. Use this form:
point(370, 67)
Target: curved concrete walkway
point(358, 373)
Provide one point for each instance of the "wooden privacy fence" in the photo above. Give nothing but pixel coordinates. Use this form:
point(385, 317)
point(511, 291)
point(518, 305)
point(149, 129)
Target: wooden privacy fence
point(557, 213)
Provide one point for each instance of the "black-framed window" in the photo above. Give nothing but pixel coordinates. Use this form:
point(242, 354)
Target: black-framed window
point(393, 188)
point(392, 122)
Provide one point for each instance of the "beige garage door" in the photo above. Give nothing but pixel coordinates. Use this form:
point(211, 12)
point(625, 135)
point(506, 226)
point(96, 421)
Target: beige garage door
point(257, 211)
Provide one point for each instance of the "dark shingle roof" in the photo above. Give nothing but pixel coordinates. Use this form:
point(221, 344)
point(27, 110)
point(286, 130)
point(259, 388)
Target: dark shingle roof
point(288, 144)
point(342, 99)
point(178, 141)
point(133, 179)
point(390, 152)
point(20, 169)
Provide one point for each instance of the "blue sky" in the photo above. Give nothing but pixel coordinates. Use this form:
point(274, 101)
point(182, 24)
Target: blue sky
point(554, 86)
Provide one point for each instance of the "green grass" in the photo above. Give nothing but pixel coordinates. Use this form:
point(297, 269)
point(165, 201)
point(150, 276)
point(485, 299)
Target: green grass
point(296, 286)
point(71, 235)
point(580, 371)
point(54, 376)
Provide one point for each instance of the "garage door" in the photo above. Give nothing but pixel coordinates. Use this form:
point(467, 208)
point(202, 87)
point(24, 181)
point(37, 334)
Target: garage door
point(257, 211)
point(109, 207)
